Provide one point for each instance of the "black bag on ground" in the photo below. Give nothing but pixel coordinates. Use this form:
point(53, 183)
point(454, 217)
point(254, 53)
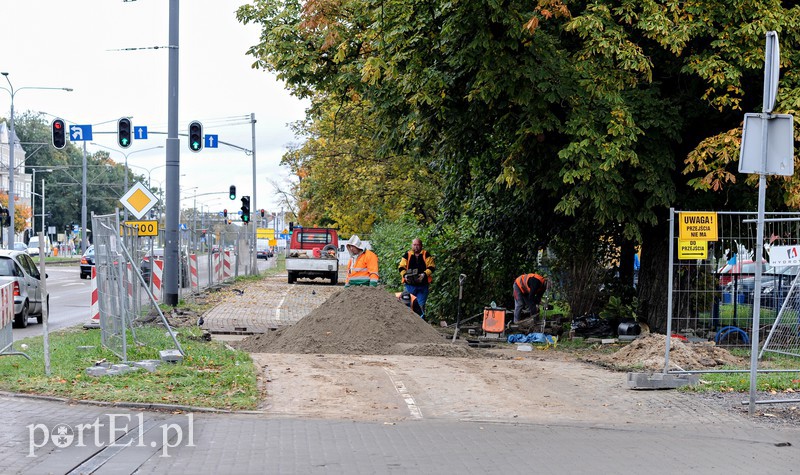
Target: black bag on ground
point(591, 325)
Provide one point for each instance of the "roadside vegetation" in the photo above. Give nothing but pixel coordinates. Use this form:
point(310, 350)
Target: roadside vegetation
point(211, 375)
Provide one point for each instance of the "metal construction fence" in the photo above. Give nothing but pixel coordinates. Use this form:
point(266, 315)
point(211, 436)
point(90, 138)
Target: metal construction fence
point(128, 310)
point(7, 321)
point(713, 280)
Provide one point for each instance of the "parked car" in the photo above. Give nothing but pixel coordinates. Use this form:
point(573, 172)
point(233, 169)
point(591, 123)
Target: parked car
point(33, 246)
point(775, 288)
point(146, 266)
point(20, 246)
point(87, 263)
point(739, 271)
point(18, 267)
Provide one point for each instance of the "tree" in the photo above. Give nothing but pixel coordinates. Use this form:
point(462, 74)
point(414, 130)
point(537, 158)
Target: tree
point(539, 119)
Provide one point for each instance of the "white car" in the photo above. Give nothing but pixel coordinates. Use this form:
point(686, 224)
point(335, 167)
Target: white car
point(18, 267)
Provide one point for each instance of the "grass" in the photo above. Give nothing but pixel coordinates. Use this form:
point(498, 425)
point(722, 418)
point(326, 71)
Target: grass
point(740, 382)
point(210, 374)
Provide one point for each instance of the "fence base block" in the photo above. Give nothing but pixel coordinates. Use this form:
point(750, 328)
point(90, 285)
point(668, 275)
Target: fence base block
point(660, 380)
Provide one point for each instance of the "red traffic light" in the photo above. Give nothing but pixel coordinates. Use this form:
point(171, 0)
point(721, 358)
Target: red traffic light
point(225, 213)
point(58, 134)
point(262, 213)
point(57, 125)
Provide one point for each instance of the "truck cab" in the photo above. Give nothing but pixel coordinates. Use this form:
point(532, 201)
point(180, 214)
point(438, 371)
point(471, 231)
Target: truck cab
point(313, 252)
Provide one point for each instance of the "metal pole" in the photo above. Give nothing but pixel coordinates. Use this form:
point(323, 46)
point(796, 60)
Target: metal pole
point(83, 204)
point(44, 231)
point(11, 173)
point(33, 201)
point(171, 257)
point(669, 286)
point(253, 252)
point(46, 305)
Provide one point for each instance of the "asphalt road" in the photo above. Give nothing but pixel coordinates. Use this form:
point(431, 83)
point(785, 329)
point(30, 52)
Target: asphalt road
point(70, 297)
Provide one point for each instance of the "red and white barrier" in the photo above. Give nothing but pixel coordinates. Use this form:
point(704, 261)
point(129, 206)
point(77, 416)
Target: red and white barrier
point(94, 308)
point(227, 265)
point(217, 266)
point(156, 276)
point(6, 316)
point(195, 282)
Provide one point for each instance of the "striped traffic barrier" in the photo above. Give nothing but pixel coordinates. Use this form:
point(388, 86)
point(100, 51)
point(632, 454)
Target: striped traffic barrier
point(227, 265)
point(195, 282)
point(156, 276)
point(94, 308)
point(217, 267)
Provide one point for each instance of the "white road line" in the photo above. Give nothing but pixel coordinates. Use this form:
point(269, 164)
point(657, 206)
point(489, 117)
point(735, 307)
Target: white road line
point(415, 411)
point(278, 309)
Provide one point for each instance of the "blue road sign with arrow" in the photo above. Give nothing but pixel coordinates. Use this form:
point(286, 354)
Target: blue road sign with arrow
point(140, 132)
point(80, 132)
point(212, 141)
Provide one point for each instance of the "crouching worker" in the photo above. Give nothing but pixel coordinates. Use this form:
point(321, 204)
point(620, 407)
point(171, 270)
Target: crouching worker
point(528, 291)
point(362, 268)
point(409, 300)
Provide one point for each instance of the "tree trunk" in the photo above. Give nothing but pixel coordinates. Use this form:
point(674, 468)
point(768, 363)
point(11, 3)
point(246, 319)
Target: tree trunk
point(653, 274)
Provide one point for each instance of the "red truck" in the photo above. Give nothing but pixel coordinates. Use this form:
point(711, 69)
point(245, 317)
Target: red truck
point(313, 252)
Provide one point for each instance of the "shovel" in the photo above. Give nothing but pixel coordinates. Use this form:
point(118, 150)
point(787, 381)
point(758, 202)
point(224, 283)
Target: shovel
point(461, 279)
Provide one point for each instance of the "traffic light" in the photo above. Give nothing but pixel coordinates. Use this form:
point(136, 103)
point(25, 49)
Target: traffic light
point(225, 213)
point(196, 136)
point(59, 133)
point(245, 209)
point(124, 132)
point(232, 192)
point(291, 225)
point(262, 213)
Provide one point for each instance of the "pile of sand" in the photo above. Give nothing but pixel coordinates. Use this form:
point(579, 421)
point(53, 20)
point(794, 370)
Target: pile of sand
point(353, 321)
point(648, 350)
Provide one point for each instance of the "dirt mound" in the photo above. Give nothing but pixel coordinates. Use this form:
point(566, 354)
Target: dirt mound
point(357, 321)
point(442, 349)
point(647, 352)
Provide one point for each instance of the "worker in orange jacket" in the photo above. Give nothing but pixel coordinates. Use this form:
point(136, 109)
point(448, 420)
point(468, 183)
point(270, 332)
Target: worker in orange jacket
point(528, 292)
point(362, 268)
point(409, 300)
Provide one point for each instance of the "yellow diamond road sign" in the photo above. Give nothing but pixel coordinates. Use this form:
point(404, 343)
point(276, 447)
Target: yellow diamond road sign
point(139, 200)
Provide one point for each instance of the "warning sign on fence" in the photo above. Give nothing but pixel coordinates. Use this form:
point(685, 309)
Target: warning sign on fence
point(689, 250)
point(697, 226)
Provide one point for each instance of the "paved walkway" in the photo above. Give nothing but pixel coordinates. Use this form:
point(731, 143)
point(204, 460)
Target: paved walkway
point(180, 443)
point(267, 304)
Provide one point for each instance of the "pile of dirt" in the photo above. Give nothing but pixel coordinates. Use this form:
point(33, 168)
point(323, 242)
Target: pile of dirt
point(355, 321)
point(648, 351)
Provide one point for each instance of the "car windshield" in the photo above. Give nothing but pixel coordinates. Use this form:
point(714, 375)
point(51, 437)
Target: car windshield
point(6, 266)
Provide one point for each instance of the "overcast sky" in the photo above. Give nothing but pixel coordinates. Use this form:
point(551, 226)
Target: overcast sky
point(76, 44)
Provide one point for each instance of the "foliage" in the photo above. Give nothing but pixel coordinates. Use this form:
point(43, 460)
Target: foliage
point(535, 118)
point(390, 240)
point(105, 178)
point(22, 212)
point(617, 310)
point(211, 375)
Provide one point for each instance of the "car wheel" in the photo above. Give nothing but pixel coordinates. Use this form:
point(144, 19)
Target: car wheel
point(21, 319)
point(292, 277)
point(334, 278)
point(83, 276)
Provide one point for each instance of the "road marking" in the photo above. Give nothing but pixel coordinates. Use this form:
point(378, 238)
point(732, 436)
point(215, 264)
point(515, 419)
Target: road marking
point(278, 310)
point(415, 411)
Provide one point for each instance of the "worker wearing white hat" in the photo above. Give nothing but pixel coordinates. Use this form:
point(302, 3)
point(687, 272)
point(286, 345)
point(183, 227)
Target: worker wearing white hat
point(362, 268)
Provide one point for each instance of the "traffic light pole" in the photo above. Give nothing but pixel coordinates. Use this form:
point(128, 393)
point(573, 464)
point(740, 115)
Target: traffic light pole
point(254, 240)
point(172, 246)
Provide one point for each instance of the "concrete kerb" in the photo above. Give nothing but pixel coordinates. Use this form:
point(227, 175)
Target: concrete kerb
point(129, 405)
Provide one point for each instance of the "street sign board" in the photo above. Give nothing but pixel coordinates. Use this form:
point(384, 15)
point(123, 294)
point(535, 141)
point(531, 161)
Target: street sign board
point(139, 200)
point(690, 250)
point(80, 132)
point(146, 228)
point(780, 144)
point(697, 226)
point(772, 69)
point(284, 236)
point(140, 132)
point(265, 233)
point(212, 141)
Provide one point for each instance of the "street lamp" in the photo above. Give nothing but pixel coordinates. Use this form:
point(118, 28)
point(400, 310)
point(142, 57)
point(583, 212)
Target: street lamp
point(33, 199)
point(13, 92)
point(126, 163)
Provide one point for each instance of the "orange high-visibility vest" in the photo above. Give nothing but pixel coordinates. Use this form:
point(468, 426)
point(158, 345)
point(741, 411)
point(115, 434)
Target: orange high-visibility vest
point(524, 285)
point(363, 269)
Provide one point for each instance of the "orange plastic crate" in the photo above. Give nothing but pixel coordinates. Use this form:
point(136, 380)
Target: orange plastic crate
point(494, 320)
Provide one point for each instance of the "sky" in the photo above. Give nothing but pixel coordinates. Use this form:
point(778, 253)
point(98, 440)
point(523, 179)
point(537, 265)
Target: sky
point(76, 44)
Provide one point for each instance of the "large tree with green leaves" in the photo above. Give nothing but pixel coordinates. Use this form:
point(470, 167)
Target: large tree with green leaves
point(545, 119)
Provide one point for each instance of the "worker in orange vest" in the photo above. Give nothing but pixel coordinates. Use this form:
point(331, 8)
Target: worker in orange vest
point(362, 268)
point(409, 300)
point(528, 292)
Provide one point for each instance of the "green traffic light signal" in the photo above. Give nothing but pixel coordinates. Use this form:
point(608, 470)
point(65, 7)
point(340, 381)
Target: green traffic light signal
point(232, 192)
point(195, 136)
point(124, 132)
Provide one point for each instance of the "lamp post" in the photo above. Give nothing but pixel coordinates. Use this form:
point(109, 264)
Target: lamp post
point(126, 164)
point(33, 199)
point(12, 145)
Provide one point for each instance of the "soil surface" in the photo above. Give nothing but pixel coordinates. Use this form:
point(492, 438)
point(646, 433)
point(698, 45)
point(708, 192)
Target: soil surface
point(363, 355)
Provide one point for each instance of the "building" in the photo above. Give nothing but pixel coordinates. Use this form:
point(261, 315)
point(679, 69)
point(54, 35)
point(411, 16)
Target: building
point(22, 180)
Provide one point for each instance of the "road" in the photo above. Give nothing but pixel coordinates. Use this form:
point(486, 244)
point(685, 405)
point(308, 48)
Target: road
point(70, 297)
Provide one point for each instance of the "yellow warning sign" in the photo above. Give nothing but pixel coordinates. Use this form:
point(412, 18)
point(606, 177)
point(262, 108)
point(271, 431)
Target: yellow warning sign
point(691, 250)
point(146, 228)
point(265, 233)
point(697, 226)
point(138, 200)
